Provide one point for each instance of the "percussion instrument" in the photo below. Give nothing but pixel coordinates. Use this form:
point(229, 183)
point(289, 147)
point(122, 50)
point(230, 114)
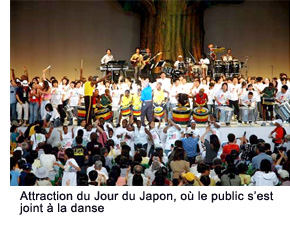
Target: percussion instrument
point(181, 115)
point(136, 111)
point(200, 114)
point(196, 69)
point(284, 111)
point(228, 66)
point(81, 112)
point(236, 66)
point(247, 114)
point(224, 113)
point(126, 111)
point(183, 99)
point(268, 101)
point(159, 112)
point(218, 66)
point(105, 113)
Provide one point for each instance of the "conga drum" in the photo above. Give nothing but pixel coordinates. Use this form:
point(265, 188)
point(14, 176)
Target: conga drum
point(200, 114)
point(159, 112)
point(218, 66)
point(224, 114)
point(284, 111)
point(181, 115)
point(105, 113)
point(81, 113)
point(126, 111)
point(136, 111)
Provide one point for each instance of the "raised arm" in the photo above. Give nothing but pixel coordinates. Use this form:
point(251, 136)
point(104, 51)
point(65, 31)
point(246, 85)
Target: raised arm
point(26, 72)
point(13, 75)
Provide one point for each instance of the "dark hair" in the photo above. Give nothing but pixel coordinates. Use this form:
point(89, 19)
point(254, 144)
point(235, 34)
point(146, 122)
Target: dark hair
point(93, 175)
point(143, 152)
point(214, 141)
point(69, 152)
point(37, 129)
point(261, 147)
point(79, 140)
point(285, 87)
point(137, 48)
point(253, 139)
point(265, 166)
point(82, 179)
point(49, 107)
point(267, 146)
point(47, 148)
point(137, 180)
point(45, 85)
point(13, 128)
point(80, 133)
point(231, 137)
point(231, 171)
point(178, 143)
point(108, 49)
point(179, 154)
point(159, 180)
point(12, 163)
point(250, 93)
point(225, 84)
point(54, 81)
point(242, 167)
point(137, 157)
point(205, 180)
point(234, 153)
point(202, 167)
point(29, 179)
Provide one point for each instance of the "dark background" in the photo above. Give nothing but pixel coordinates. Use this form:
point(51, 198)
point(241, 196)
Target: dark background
point(60, 33)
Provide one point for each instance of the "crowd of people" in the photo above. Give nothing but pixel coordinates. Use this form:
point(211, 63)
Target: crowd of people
point(126, 150)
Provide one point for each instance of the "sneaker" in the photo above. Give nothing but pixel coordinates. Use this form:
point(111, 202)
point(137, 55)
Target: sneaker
point(263, 123)
point(272, 123)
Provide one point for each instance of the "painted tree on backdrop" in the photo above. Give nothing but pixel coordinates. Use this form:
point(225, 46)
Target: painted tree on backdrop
point(173, 26)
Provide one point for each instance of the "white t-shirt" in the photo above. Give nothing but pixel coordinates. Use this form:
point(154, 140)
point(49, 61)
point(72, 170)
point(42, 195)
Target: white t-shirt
point(54, 114)
point(115, 98)
point(184, 88)
point(210, 96)
point(47, 160)
point(65, 90)
point(173, 93)
point(221, 97)
point(166, 84)
point(282, 97)
point(261, 87)
point(74, 97)
point(37, 138)
point(233, 92)
point(173, 134)
point(67, 140)
point(107, 58)
point(264, 179)
point(56, 96)
point(245, 101)
point(156, 137)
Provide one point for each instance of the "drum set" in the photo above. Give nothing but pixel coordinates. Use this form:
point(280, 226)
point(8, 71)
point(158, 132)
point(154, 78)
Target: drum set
point(228, 68)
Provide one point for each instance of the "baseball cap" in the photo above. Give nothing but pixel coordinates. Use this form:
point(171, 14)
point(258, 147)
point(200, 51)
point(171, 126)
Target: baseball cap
point(189, 131)
point(278, 121)
point(283, 173)
point(26, 166)
point(25, 83)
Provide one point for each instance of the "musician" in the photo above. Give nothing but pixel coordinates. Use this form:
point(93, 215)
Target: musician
point(108, 57)
point(283, 95)
point(228, 56)
point(222, 96)
point(200, 99)
point(159, 98)
point(212, 54)
point(106, 100)
point(179, 64)
point(268, 99)
point(249, 100)
point(125, 101)
point(89, 87)
point(146, 64)
point(136, 61)
point(204, 62)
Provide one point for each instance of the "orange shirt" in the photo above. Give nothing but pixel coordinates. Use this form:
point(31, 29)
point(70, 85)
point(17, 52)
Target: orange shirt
point(227, 150)
point(279, 134)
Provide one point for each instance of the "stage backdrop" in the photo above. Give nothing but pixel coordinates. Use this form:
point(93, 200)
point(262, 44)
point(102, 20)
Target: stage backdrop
point(60, 33)
point(258, 29)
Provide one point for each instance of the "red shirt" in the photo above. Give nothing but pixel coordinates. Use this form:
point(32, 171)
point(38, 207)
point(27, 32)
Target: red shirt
point(200, 100)
point(227, 150)
point(279, 134)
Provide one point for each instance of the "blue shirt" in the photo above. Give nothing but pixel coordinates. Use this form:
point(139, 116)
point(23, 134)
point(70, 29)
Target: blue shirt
point(256, 161)
point(14, 178)
point(190, 146)
point(13, 94)
point(146, 94)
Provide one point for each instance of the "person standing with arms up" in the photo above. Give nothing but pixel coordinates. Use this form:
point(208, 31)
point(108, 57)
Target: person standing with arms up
point(89, 87)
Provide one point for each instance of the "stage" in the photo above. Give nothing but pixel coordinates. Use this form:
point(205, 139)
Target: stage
point(262, 132)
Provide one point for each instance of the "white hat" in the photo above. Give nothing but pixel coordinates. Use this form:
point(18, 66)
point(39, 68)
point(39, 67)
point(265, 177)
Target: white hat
point(41, 173)
point(180, 56)
point(25, 83)
point(18, 148)
point(278, 121)
point(283, 173)
point(189, 131)
point(193, 121)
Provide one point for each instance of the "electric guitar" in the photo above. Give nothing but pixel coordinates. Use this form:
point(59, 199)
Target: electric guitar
point(144, 63)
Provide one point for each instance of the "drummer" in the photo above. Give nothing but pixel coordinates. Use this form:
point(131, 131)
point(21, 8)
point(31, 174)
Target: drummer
point(125, 101)
point(179, 64)
point(283, 95)
point(204, 62)
point(248, 100)
point(228, 56)
point(269, 94)
point(159, 98)
point(222, 96)
point(200, 99)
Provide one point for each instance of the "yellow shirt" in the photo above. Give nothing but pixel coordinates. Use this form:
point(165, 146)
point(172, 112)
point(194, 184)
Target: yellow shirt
point(140, 59)
point(32, 131)
point(126, 101)
point(88, 89)
point(136, 100)
point(245, 178)
point(158, 96)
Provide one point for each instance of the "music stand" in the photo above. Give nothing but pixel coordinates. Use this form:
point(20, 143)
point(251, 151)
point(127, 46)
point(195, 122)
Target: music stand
point(161, 63)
